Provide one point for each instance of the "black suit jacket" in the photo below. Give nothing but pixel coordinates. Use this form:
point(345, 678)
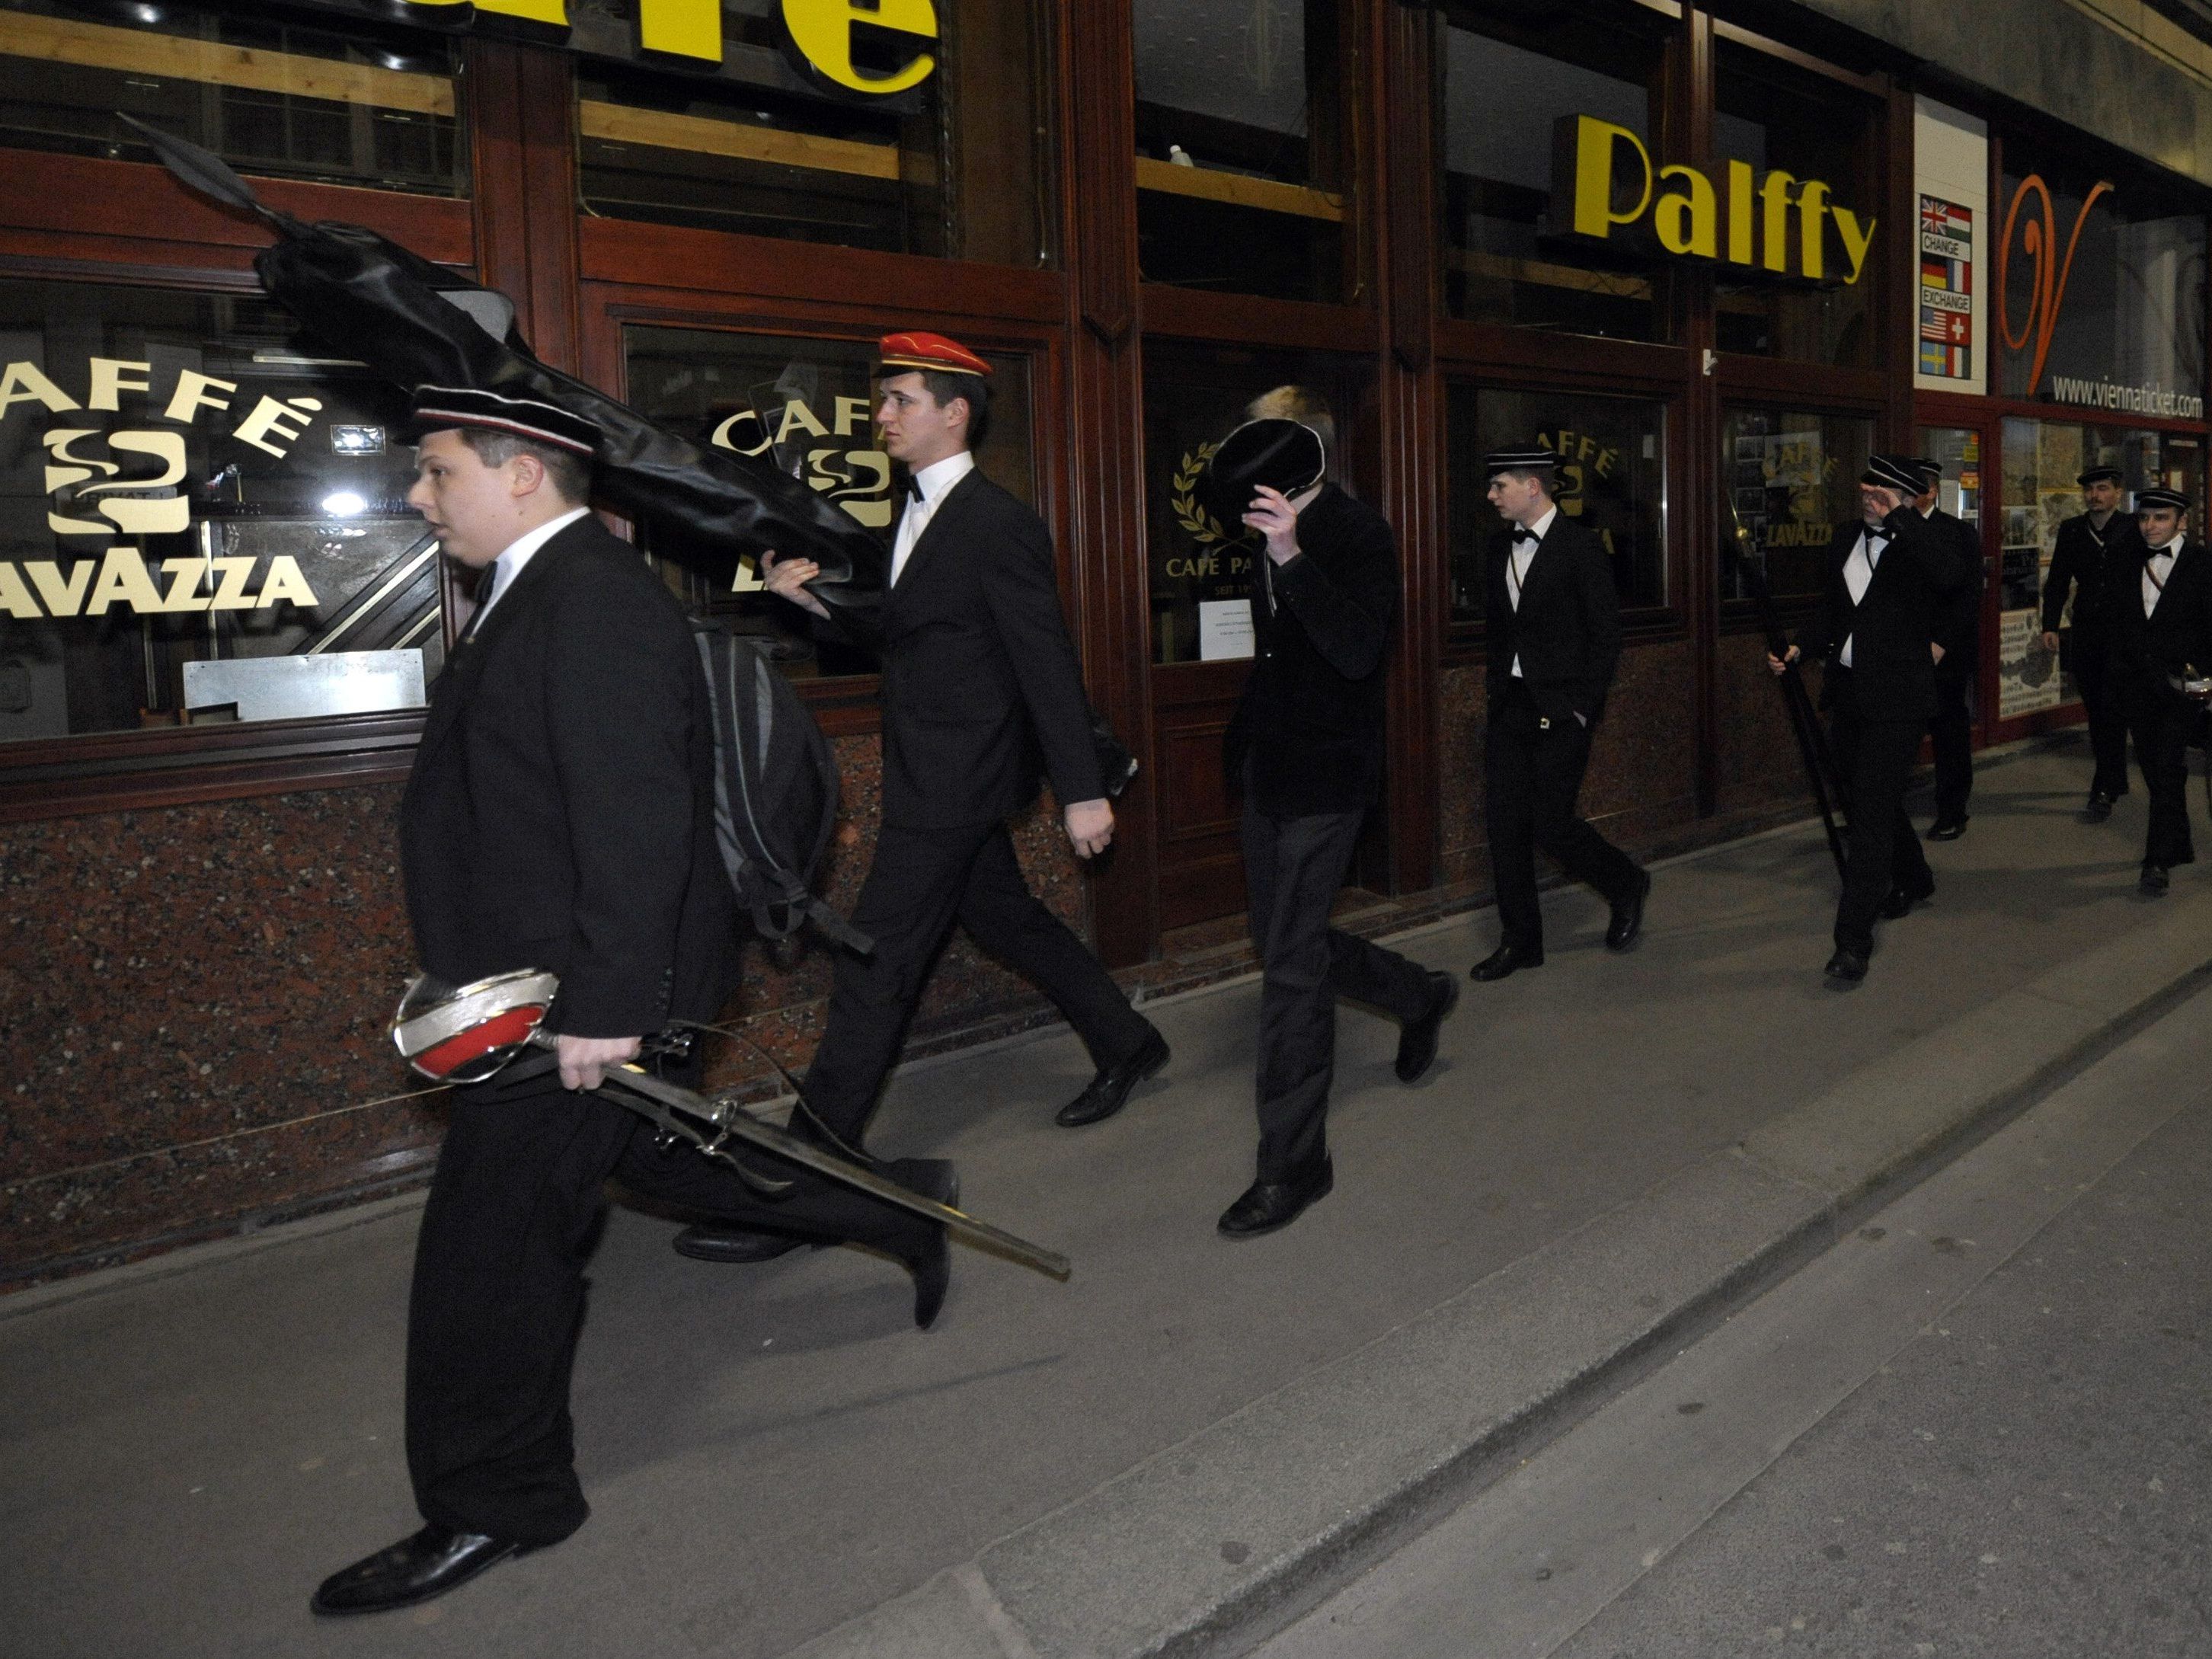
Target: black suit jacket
point(1959, 618)
point(1311, 719)
point(1567, 630)
point(982, 689)
point(2177, 636)
point(559, 814)
point(2079, 562)
point(1891, 629)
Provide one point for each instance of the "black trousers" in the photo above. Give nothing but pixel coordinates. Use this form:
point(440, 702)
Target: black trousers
point(1952, 732)
point(1873, 760)
point(1532, 772)
point(1293, 868)
point(922, 881)
point(498, 1292)
point(2162, 721)
point(2106, 707)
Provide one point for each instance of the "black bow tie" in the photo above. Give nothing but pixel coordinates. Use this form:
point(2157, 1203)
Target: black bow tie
point(1875, 532)
point(914, 488)
point(1522, 533)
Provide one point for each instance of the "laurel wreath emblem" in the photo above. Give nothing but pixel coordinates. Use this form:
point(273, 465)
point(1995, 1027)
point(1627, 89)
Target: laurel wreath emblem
point(1183, 497)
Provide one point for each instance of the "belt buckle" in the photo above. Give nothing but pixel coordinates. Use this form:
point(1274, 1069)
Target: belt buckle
point(1543, 722)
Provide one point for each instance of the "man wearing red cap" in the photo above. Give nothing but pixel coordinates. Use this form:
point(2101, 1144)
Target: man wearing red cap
point(979, 684)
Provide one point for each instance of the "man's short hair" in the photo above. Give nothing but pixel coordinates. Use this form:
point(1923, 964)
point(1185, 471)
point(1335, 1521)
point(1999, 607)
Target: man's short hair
point(570, 473)
point(944, 384)
point(1542, 477)
point(1301, 403)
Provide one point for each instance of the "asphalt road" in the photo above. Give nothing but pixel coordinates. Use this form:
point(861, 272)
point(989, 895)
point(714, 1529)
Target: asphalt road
point(1981, 1425)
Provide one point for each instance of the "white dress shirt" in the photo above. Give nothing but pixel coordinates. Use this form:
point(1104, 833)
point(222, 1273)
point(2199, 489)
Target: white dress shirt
point(2156, 570)
point(517, 554)
point(932, 481)
point(1859, 575)
point(1517, 561)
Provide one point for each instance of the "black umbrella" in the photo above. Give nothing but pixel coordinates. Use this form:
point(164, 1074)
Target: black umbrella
point(418, 323)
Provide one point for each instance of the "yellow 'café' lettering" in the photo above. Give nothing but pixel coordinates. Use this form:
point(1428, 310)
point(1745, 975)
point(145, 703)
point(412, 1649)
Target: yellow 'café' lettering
point(821, 29)
point(1678, 207)
point(92, 588)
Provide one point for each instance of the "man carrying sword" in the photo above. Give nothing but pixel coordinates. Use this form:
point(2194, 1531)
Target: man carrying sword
point(559, 817)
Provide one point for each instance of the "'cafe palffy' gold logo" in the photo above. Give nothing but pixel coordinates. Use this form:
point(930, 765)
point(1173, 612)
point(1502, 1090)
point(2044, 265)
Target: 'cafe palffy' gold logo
point(89, 495)
point(1773, 223)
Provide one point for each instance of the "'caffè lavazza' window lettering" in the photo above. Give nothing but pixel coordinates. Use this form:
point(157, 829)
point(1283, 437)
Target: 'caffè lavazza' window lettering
point(202, 519)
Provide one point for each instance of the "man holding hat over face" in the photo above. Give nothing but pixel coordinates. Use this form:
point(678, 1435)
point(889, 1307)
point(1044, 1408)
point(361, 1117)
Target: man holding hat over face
point(559, 816)
point(1306, 747)
point(1888, 576)
point(2092, 547)
point(1554, 624)
point(2159, 621)
point(980, 692)
point(1957, 648)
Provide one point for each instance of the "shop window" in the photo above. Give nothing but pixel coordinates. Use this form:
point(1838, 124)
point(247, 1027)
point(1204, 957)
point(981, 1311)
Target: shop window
point(2101, 284)
point(1791, 477)
point(1202, 569)
point(806, 407)
point(269, 93)
point(1507, 78)
point(952, 160)
point(1776, 118)
point(1241, 182)
point(1612, 480)
point(2043, 459)
point(202, 519)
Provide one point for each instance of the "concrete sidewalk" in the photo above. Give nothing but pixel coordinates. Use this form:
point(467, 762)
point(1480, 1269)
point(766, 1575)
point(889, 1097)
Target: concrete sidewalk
point(1191, 1439)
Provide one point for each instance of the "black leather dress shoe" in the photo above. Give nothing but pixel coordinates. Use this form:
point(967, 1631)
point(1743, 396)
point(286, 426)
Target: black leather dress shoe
point(432, 1562)
point(1505, 959)
point(932, 1177)
point(1267, 1206)
point(1948, 828)
point(931, 1267)
point(1845, 968)
point(2099, 807)
point(1628, 919)
point(2154, 881)
point(1901, 900)
point(1417, 1039)
point(1108, 1092)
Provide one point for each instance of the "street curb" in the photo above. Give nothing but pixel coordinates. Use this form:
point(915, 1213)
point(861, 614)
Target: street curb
point(1228, 1534)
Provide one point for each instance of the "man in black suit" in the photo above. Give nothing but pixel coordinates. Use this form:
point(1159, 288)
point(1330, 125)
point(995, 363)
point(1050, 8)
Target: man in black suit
point(2158, 610)
point(1306, 745)
point(1888, 577)
point(980, 685)
point(2091, 546)
point(1554, 624)
point(559, 816)
point(1958, 651)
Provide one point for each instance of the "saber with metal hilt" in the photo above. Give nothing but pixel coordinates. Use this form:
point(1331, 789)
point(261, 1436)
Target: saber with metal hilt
point(1804, 721)
point(469, 1034)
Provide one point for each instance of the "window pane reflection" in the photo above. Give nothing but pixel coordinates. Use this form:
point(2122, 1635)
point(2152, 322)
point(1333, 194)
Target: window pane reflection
point(1791, 478)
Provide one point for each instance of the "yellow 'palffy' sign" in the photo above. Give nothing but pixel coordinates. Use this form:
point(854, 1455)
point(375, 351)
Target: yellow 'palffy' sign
point(1769, 222)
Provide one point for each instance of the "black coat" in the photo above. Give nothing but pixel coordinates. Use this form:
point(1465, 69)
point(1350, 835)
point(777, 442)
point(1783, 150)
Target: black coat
point(1958, 619)
point(1310, 721)
point(2147, 651)
point(982, 688)
point(559, 814)
point(1567, 630)
point(1891, 629)
point(2080, 562)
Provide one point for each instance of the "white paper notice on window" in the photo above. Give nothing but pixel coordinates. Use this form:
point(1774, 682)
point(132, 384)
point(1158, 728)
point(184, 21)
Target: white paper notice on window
point(1224, 630)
